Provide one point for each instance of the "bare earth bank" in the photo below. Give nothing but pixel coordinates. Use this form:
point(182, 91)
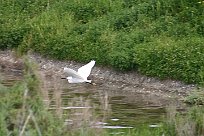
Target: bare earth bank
point(103, 76)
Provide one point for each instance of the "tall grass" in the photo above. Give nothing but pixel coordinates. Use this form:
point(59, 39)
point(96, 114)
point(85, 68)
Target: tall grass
point(23, 112)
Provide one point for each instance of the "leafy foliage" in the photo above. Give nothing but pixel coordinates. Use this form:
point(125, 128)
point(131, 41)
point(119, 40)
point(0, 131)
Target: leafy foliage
point(176, 59)
point(117, 33)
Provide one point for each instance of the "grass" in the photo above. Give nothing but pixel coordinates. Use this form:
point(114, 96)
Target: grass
point(196, 97)
point(22, 109)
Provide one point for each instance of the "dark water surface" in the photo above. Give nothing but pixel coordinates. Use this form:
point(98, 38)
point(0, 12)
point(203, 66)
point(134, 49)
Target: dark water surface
point(9, 78)
point(99, 106)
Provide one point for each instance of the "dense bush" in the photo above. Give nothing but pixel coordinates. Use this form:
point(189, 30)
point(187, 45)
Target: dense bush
point(117, 33)
point(180, 59)
point(14, 20)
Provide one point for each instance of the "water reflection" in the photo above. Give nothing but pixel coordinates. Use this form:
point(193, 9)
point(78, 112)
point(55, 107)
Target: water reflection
point(107, 108)
point(98, 106)
point(8, 78)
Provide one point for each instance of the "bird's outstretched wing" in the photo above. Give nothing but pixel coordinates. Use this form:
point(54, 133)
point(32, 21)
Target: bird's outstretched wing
point(85, 70)
point(72, 73)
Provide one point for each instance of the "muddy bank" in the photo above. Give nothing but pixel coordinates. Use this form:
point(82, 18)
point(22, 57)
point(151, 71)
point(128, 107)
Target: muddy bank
point(106, 77)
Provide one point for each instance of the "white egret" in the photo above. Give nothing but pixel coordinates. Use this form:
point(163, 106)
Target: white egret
point(81, 75)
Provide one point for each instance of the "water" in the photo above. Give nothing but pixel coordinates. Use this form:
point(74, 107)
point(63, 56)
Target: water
point(113, 109)
point(97, 105)
point(102, 106)
point(8, 78)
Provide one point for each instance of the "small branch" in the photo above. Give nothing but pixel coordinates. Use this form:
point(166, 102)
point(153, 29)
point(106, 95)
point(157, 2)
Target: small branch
point(25, 124)
point(24, 107)
point(35, 122)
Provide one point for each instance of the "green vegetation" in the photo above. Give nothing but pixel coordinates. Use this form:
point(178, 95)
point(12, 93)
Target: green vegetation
point(196, 97)
point(162, 38)
point(22, 110)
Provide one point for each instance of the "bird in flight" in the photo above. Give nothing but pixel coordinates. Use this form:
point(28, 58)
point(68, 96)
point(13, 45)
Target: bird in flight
point(81, 75)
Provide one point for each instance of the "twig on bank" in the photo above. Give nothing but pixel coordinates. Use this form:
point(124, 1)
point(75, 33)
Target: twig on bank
point(25, 124)
point(35, 122)
point(23, 108)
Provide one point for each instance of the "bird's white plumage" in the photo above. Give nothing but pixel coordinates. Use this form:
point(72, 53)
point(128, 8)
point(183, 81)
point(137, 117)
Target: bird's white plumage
point(81, 75)
point(72, 73)
point(85, 70)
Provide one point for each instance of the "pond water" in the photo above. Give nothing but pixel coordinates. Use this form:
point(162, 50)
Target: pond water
point(9, 78)
point(99, 106)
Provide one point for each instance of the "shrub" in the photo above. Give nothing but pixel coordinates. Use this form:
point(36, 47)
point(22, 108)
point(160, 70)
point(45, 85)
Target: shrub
point(109, 32)
point(196, 97)
point(175, 59)
point(84, 10)
point(121, 56)
point(14, 20)
point(124, 19)
point(12, 38)
point(121, 60)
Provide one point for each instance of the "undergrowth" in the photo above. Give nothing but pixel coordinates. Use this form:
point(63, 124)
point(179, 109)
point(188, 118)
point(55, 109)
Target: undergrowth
point(22, 111)
point(161, 38)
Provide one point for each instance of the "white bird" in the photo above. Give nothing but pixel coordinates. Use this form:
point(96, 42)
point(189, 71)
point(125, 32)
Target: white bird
point(81, 75)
